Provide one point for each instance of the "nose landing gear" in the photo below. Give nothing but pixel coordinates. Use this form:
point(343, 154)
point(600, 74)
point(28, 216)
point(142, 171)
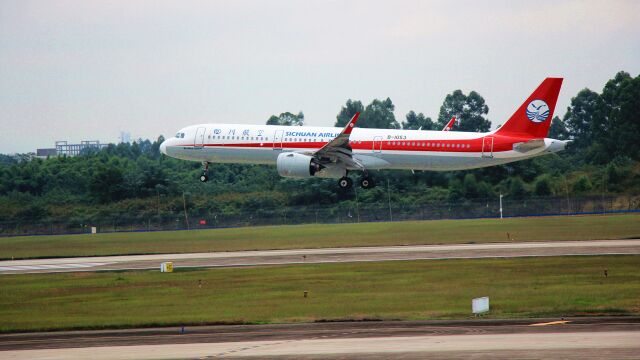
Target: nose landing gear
point(205, 172)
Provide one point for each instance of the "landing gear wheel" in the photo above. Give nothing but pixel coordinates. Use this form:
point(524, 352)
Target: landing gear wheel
point(367, 182)
point(205, 177)
point(345, 183)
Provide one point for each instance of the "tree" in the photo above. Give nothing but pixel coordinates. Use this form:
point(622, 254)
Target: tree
point(107, 183)
point(379, 115)
point(558, 130)
point(470, 111)
point(470, 186)
point(582, 184)
point(417, 121)
point(616, 122)
point(542, 185)
point(347, 112)
point(579, 117)
point(456, 190)
point(516, 188)
point(287, 119)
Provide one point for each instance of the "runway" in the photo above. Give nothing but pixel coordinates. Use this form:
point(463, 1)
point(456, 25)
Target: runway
point(574, 338)
point(327, 255)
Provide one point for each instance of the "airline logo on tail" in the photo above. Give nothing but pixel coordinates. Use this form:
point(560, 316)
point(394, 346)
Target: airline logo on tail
point(537, 111)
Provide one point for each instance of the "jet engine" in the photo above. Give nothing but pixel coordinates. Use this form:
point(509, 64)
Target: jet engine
point(295, 165)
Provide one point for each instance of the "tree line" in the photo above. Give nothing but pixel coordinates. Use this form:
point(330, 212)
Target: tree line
point(470, 110)
point(134, 177)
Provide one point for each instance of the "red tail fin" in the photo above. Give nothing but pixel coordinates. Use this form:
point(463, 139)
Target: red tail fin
point(533, 117)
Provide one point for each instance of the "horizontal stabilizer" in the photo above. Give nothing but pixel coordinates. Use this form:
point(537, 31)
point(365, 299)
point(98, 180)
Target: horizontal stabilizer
point(528, 145)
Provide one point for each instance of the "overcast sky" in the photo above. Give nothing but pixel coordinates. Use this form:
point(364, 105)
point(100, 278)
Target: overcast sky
point(84, 70)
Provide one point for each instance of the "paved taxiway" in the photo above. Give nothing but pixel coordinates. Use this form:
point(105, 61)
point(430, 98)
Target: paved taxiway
point(327, 255)
point(578, 338)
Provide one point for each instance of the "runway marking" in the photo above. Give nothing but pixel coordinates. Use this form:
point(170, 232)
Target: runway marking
point(52, 266)
point(560, 322)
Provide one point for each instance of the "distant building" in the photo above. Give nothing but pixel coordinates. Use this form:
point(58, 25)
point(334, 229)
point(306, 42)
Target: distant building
point(64, 148)
point(43, 153)
point(125, 137)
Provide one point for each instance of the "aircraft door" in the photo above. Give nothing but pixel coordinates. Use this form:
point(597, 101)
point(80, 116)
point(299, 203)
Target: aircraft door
point(377, 144)
point(487, 147)
point(277, 140)
point(199, 140)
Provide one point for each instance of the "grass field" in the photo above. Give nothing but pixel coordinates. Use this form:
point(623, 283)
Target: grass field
point(526, 287)
point(317, 236)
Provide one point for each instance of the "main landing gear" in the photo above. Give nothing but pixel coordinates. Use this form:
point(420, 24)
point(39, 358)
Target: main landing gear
point(367, 183)
point(205, 172)
point(346, 183)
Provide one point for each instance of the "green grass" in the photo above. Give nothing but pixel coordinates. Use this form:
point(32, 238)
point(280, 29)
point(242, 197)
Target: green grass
point(525, 287)
point(317, 236)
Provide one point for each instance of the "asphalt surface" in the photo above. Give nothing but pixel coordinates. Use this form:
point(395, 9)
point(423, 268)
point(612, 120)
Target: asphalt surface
point(326, 255)
point(578, 338)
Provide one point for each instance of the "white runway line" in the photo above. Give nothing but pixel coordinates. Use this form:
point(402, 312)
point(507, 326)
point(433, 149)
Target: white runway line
point(52, 266)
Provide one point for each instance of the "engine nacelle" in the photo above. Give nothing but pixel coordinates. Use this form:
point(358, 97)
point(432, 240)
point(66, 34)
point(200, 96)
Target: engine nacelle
point(295, 165)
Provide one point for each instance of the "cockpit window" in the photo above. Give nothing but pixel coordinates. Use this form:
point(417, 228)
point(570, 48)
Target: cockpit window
point(180, 135)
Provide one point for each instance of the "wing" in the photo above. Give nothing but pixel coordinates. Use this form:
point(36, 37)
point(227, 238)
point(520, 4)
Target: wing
point(338, 149)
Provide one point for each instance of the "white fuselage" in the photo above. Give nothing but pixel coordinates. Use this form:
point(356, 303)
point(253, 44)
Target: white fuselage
point(373, 148)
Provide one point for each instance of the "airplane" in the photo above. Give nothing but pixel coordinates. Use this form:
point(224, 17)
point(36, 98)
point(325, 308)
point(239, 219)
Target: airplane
point(330, 152)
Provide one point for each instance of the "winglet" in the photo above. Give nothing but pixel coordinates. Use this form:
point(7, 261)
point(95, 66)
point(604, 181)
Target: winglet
point(449, 124)
point(351, 124)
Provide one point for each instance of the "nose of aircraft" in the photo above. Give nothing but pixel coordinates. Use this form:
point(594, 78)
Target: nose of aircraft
point(163, 147)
